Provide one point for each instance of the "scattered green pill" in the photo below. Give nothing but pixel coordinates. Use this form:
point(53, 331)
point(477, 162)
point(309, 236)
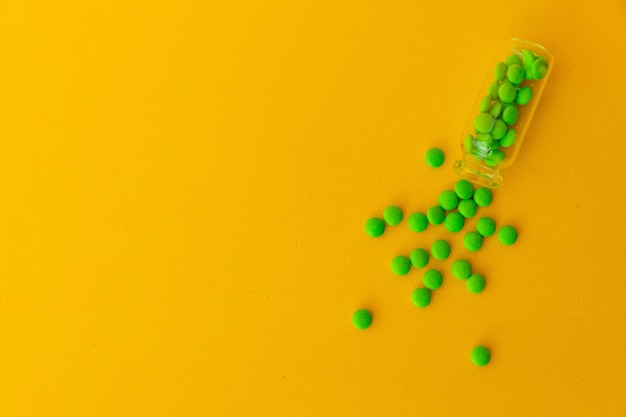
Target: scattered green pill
point(419, 257)
point(461, 269)
point(362, 319)
point(483, 123)
point(434, 157)
point(420, 297)
point(524, 95)
point(499, 129)
point(393, 215)
point(514, 59)
point(400, 265)
point(486, 226)
point(510, 115)
point(418, 222)
point(440, 249)
point(483, 197)
point(515, 74)
point(480, 356)
point(468, 208)
point(454, 222)
point(448, 200)
point(475, 283)
point(485, 104)
point(374, 227)
point(435, 215)
point(496, 109)
point(464, 189)
point(507, 92)
point(473, 241)
point(432, 279)
point(507, 235)
point(508, 139)
point(500, 71)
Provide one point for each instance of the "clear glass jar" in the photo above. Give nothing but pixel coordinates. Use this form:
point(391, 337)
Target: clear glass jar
point(502, 113)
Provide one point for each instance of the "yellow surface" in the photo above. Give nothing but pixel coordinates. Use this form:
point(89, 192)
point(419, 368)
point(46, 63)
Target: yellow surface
point(184, 188)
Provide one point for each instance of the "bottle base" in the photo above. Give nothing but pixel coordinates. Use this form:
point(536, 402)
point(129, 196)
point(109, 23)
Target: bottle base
point(478, 173)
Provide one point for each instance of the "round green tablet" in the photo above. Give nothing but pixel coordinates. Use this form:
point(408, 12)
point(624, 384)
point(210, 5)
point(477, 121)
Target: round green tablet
point(510, 115)
point(514, 59)
point(461, 269)
point(508, 139)
point(434, 157)
point(524, 95)
point(539, 68)
point(440, 249)
point(483, 123)
point(485, 139)
point(375, 227)
point(496, 109)
point(468, 144)
point(499, 129)
point(392, 215)
point(475, 283)
point(362, 319)
point(420, 297)
point(480, 356)
point(515, 74)
point(400, 265)
point(507, 235)
point(464, 189)
point(483, 197)
point(486, 226)
point(473, 241)
point(454, 222)
point(448, 200)
point(528, 57)
point(419, 258)
point(468, 208)
point(493, 89)
point(432, 279)
point(417, 222)
point(435, 215)
point(485, 104)
point(507, 92)
point(499, 71)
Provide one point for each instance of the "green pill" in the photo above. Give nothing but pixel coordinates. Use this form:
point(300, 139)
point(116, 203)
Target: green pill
point(434, 157)
point(362, 319)
point(448, 200)
point(393, 215)
point(515, 74)
point(510, 115)
point(480, 356)
point(464, 189)
point(420, 297)
point(475, 283)
point(432, 279)
point(507, 92)
point(461, 269)
point(400, 265)
point(496, 109)
point(483, 197)
point(473, 241)
point(524, 95)
point(419, 258)
point(507, 235)
point(454, 222)
point(485, 103)
point(499, 71)
point(435, 215)
point(493, 89)
point(539, 68)
point(495, 158)
point(499, 129)
point(486, 226)
point(440, 249)
point(509, 138)
point(483, 123)
point(528, 57)
point(485, 139)
point(468, 208)
point(374, 227)
point(468, 144)
point(417, 222)
point(514, 59)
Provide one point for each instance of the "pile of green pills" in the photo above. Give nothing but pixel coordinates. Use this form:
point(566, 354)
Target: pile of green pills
point(499, 110)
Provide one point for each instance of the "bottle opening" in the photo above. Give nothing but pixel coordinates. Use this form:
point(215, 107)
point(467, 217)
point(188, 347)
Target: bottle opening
point(478, 173)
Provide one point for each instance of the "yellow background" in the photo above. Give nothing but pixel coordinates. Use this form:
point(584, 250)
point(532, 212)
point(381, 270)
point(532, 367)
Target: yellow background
point(184, 186)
